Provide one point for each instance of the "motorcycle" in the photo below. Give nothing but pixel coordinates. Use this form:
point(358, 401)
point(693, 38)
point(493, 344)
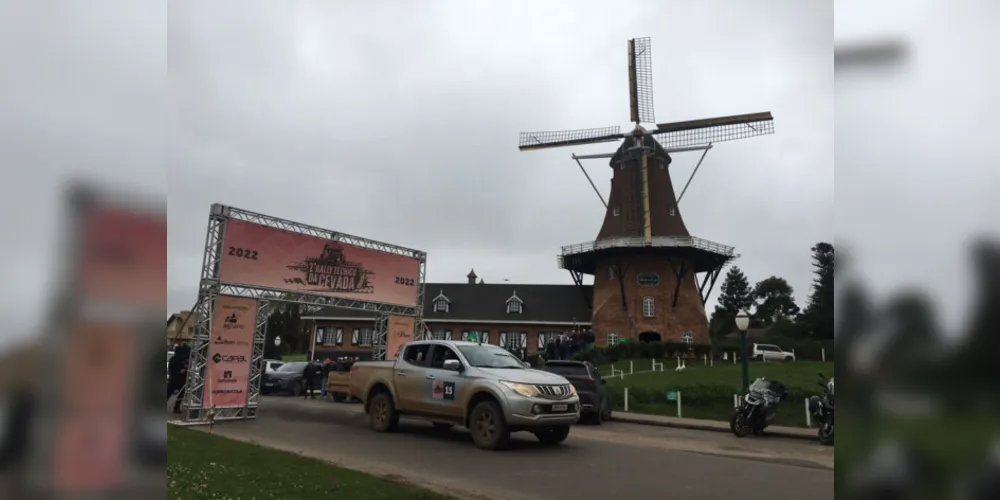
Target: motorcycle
point(757, 407)
point(821, 410)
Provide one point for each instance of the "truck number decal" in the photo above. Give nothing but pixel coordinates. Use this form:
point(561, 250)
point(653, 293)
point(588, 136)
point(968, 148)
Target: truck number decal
point(443, 390)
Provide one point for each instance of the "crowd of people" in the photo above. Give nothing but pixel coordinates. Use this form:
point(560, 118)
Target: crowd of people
point(564, 346)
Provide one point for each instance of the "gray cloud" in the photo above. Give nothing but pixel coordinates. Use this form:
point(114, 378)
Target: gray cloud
point(399, 121)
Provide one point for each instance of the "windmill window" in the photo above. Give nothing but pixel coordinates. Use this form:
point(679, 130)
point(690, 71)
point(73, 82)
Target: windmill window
point(687, 338)
point(648, 307)
point(648, 279)
point(616, 211)
point(611, 273)
point(673, 212)
point(612, 339)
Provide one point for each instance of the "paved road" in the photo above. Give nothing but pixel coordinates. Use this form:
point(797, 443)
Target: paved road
point(608, 462)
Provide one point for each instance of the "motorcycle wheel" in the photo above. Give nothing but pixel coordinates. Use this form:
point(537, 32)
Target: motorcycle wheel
point(826, 435)
point(738, 424)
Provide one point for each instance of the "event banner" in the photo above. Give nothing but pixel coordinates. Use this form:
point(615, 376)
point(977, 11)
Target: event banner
point(266, 257)
point(400, 333)
point(227, 377)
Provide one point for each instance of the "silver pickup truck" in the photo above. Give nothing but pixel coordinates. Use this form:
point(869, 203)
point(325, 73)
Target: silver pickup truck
point(478, 386)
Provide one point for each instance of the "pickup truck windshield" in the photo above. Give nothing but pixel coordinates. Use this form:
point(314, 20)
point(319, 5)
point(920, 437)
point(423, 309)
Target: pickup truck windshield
point(485, 356)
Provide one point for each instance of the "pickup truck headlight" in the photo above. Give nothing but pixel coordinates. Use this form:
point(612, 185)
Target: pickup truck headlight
point(525, 390)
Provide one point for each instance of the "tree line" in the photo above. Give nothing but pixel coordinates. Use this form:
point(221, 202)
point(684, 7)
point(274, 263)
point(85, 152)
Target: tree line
point(771, 302)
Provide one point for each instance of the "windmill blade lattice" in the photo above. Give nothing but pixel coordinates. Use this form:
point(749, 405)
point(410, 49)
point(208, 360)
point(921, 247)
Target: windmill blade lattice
point(712, 130)
point(641, 80)
point(555, 139)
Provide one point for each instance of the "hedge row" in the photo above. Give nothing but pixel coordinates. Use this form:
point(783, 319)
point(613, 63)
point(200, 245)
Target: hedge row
point(808, 350)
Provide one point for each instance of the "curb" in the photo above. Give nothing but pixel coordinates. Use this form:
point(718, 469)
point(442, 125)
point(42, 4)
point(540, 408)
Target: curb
point(702, 427)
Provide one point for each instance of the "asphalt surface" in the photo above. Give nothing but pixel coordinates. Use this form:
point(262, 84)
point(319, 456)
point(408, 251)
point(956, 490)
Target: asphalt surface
point(606, 462)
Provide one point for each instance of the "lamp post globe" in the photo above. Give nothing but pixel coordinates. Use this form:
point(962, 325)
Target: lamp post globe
point(277, 341)
point(742, 324)
point(743, 320)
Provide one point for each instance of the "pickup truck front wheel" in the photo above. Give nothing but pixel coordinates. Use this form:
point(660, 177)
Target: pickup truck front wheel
point(554, 435)
point(382, 414)
point(489, 429)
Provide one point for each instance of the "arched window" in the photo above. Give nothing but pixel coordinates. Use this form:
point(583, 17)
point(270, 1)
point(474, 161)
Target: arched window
point(612, 339)
point(687, 338)
point(648, 307)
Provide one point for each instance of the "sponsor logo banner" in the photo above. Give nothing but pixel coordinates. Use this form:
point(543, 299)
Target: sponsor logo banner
point(228, 373)
point(266, 257)
point(400, 333)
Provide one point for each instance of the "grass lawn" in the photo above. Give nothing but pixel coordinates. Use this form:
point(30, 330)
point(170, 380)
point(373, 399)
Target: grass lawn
point(203, 466)
point(290, 358)
point(799, 375)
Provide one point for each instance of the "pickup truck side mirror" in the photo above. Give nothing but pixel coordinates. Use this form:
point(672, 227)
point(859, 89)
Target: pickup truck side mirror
point(453, 365)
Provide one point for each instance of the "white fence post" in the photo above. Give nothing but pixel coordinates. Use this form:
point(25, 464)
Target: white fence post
point(808, 416)
point(626, 399)
point(631, 368)
point(679, 404)
point(711, 361)
point(705, 357)
point(734, 357)
point(822, 352)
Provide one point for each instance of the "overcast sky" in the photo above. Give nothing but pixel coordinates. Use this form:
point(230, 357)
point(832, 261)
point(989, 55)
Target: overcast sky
point(398, 121)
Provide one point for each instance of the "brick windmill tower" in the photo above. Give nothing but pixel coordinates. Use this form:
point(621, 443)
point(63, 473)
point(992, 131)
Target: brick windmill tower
point(651, 276)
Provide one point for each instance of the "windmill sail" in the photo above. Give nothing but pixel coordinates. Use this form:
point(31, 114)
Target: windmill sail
point(711, 130)
point(541, 140)
point(640, 80)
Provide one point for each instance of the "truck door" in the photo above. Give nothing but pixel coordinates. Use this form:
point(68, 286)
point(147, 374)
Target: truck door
point(444, 390)
point(408, 376)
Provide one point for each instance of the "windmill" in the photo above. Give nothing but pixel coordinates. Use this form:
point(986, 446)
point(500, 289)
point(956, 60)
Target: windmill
point(643, 232)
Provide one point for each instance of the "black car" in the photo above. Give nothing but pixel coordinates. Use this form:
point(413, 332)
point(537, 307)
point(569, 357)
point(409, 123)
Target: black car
point(590, 386)
point(287, 379)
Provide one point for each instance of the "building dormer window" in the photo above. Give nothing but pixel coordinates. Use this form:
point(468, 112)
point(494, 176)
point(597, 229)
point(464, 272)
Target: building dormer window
point(441, 303)
point(514, 304)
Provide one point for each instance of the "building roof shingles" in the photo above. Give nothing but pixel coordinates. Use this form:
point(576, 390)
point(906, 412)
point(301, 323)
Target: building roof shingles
point(486, 302)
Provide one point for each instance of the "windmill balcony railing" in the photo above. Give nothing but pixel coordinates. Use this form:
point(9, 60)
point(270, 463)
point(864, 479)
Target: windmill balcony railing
point(657, 241)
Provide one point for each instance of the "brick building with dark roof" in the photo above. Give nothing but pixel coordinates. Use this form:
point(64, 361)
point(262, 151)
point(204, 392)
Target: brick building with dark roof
point(522, 318)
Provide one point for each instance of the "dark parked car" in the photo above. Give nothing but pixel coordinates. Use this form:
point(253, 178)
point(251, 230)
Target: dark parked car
point(589, 385)
point(287, 379)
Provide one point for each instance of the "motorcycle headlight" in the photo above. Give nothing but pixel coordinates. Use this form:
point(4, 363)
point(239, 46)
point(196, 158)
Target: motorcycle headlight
point(525, 390)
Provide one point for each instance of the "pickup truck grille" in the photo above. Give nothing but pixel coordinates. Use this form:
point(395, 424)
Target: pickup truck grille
point(554, 391)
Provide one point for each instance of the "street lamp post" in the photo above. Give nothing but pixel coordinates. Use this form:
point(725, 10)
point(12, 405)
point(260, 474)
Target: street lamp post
point(742, 324)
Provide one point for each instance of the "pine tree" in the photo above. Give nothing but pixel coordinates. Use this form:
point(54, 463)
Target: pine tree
point(818, 317)
point(735, 295)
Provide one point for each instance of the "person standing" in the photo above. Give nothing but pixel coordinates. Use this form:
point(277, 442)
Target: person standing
point(327, 368)
point(309, 375)
point(177, 375)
